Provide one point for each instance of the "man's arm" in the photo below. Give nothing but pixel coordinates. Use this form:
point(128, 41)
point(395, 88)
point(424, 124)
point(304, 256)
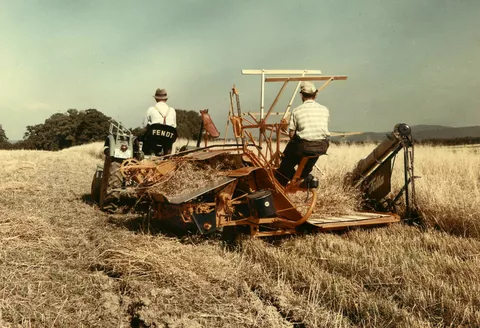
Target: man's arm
point(174, 118)
point(292, 125)
point(147, 120)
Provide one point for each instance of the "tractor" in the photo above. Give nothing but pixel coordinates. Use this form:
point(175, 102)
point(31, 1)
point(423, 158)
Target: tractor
point(109, 188)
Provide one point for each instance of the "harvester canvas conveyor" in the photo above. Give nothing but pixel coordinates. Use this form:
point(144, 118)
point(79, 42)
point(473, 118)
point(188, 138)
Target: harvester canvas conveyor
point(239, 192)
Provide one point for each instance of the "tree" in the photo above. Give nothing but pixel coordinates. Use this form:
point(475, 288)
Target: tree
point(57, 132)
point(92, 126)
point(4, 144)
point(3, 135)
point(63, 130)
point(138, 131)
point(188, 123)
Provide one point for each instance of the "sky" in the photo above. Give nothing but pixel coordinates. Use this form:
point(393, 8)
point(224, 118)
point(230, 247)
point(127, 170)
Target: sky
point(407, 60)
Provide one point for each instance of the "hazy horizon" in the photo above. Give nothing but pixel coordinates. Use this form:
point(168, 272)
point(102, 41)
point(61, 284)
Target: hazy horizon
point(406, 61)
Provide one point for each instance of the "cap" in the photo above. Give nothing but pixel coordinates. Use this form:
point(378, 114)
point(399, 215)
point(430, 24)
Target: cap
point(307, 87)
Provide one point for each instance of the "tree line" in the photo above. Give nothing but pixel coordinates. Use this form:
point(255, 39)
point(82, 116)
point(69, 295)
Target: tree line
point(450, 142)
point(78, 127)
point(428, 142)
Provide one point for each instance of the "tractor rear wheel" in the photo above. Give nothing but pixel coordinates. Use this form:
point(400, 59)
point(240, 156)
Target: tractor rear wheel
point(112, 181)
point(96, 187)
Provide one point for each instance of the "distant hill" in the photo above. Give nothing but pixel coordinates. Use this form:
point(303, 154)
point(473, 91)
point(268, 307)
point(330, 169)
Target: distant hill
point(425, 127)
point(422, 132)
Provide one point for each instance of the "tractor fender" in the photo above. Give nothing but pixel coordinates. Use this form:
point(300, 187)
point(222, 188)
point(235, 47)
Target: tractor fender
point(109, 146)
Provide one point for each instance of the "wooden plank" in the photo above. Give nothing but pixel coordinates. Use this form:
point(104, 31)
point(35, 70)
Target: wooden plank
point(342, 225)
point(363, 217)
point(319, 221)
point(306, 78)
point(273, 113)
point(352, 220)
point(356, 215)
point(280, 71)
point(330, 220)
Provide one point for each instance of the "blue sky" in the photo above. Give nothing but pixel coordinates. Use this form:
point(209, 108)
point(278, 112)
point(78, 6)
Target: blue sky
point(407, 61)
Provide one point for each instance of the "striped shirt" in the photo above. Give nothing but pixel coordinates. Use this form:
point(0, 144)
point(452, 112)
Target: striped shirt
point(310, 121)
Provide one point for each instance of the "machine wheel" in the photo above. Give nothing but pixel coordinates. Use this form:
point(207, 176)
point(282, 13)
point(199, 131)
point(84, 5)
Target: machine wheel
point(112, 180)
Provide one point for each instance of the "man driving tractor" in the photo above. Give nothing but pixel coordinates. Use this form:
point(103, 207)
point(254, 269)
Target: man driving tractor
point(161, 123)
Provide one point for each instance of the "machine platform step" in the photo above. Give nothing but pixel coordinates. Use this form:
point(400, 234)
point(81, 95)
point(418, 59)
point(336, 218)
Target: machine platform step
point(334, 222)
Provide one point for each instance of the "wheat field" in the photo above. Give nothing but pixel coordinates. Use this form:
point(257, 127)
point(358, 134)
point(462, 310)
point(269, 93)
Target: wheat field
point(66, 264)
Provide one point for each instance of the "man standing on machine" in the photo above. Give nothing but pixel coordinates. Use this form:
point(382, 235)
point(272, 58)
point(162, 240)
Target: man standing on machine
point(308, 132)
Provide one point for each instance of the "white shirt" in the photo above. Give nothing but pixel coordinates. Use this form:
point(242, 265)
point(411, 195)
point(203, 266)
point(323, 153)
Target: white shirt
point(158, 113)
point(310, 121)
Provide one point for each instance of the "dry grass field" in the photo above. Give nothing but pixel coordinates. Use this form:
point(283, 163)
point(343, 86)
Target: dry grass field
point(63, 263)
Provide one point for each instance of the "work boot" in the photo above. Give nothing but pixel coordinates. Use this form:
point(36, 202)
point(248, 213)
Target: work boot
point(309, 182)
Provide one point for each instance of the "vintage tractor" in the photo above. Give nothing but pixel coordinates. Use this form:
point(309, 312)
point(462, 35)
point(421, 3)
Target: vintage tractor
point(109, 187)
point(231, 187)
point(107, 181)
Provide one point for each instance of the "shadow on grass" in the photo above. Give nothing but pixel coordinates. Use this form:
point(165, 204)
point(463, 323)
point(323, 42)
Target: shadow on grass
point(87, 199)
point(141, 224)
point(187, 233)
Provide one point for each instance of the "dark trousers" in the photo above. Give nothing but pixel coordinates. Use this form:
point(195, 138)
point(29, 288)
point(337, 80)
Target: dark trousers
point(295, 150)
point(155, 145)
point(156, 148)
